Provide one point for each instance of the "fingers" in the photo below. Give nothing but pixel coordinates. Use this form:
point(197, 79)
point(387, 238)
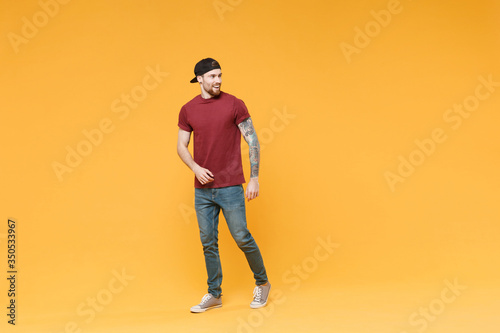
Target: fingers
point(251, 194)
point(205, 180)
point(205, 177)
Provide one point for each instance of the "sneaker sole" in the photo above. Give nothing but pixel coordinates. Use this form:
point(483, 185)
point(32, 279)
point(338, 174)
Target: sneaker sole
point(206, 309)
point(258, 306)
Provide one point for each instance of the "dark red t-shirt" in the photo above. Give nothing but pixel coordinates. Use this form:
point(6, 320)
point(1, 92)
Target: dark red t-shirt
point(217, 138)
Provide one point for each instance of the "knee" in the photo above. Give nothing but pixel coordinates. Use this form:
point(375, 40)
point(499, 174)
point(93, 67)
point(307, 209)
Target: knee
point(243, 239)
point(208, 241)
point(211, 248)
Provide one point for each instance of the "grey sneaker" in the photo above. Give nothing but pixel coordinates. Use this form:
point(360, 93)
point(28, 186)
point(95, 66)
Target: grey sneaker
point(260, 296)
point(207, 302)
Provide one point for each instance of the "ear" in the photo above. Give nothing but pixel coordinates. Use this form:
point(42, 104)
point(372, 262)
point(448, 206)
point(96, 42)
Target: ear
point(199, 77)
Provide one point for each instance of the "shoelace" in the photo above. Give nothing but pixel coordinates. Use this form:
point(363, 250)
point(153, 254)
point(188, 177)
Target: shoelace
point(257, 293)
point(206, 298)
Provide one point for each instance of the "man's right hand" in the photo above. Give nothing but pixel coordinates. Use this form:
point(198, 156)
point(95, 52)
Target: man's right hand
point(203, 175)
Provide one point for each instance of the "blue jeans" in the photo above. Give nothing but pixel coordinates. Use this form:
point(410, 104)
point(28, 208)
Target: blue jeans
point(208, 203)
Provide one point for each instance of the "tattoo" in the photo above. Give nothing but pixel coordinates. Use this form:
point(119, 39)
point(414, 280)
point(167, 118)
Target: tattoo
point(248, 132)
point(255, 171)
point(246, 128)
point(254, 154)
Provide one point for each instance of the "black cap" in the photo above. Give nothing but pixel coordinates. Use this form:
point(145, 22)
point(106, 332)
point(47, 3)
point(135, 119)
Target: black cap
point(203, 66)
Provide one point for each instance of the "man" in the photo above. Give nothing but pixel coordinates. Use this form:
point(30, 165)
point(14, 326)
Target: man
point(218, 120)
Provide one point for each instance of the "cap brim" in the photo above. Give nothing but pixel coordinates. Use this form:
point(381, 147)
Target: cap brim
point(194, 80)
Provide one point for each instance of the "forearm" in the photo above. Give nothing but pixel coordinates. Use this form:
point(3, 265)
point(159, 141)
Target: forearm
point(186, 157)
point(254, 154)
point(250, 136)
point(248, 132)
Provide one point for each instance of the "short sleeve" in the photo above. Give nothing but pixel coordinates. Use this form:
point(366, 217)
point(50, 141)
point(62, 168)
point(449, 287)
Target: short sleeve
point(183, 121)
point(241, 111)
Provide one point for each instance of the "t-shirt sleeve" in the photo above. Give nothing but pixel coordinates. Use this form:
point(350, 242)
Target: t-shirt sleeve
point(241, 111)
point(183, 122)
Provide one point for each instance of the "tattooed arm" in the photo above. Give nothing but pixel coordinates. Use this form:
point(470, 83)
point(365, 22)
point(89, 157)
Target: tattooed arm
point(248, 132)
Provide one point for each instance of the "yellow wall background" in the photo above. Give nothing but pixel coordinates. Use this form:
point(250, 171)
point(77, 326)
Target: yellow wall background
point(335, 111)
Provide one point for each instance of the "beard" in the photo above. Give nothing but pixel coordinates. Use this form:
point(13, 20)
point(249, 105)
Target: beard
point(213, 92)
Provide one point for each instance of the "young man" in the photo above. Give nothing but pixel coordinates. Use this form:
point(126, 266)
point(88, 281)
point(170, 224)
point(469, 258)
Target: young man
point(218, 120)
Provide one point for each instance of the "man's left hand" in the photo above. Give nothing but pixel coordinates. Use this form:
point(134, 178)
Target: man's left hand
point(252, 191)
